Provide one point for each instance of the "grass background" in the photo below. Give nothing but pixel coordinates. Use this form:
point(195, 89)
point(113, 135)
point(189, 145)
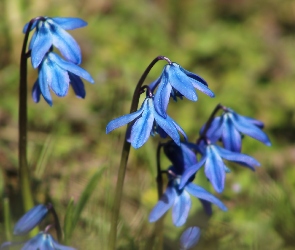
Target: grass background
point(244, 49)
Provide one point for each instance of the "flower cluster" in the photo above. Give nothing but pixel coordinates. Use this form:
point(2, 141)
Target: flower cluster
point(55, 73)
point(176, 196)
point(152, 117)
point(43, 240)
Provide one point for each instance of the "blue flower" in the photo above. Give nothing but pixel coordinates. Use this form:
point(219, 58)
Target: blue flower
point(51, 31)
point(189, 238)
point(177, 82)
point(56, 74)
point(215, 169)
point(230, 126)
point(44, 241)
point(146, 122)
point(30, 219)
point(179, 198)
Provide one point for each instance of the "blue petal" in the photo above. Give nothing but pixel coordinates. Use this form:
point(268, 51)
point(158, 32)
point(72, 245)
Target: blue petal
point(36, 92)
point(42, 44)
point(77, 85)
point(141, 129)
point(69, 23)
point(247, 128)
point(198, 82)
point(181, 208)
point(155, 83)
point(162, 95)
point(255, 122)
point(215, 130)
point(201, 193)
point(71, 67)
point(32, 40)
point(60, 81)
point(237, 157)
point(181, 156)
point(231, 138)
point(58, 246)
point(168, 126)
point(66, 44)
point(121, 121)
point(30, 220)
point(163, 205)
point(36, 243)
point(181, 82)
point(190, 237)
point(45, 79)
point(189, 172)
point(214, 169)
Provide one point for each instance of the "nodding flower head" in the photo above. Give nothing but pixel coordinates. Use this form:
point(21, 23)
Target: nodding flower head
point(51, 32)
point(57, 74)
point(229, 128)
point(146, 122)
point(30, 219)
point(178, 198)
point(175, 82)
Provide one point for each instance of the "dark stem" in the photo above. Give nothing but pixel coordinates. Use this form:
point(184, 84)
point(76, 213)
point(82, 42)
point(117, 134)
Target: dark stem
point(125, 155)
point(56, 222)
point(207, 126)
point(159, 224)
point(24, 174)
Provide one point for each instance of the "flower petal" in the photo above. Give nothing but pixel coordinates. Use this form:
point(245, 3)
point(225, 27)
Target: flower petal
point(69, 23)
point(181, 208)
point(32, 27)
point(36, 92)
point(163, 205)
point(237, 157)
point(189, 172)
point(66, 44)
point(168, 126)
point(45, 79)
point(77, 85)
point(190, 237)
point(214, 169)
point(141, 130)
point(60, 81)
point(244, 126)
point(30, 220)
point(162, 96)
point(123, 120)
point(198, 82)
point(201, 193)
point(71, 67)
point(181, 82)
point(42, 44)
point(231, 137)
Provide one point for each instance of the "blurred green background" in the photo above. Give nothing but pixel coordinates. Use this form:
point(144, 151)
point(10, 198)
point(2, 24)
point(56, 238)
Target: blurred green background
point(243, 48)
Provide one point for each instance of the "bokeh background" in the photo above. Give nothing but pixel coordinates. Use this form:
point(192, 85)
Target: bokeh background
point(245, 49)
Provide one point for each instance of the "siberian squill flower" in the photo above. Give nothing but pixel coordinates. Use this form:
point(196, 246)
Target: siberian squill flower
point(51, 31)
point(189, 238)
point(30, 219)
point(230, 126)
point(176, 82)
point(147, 122)
point(215, 169)
point(57, 74)
point(179, 198)
point(44, 241)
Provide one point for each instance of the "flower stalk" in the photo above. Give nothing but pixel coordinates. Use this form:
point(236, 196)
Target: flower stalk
point(24, 172)
point(125, 155)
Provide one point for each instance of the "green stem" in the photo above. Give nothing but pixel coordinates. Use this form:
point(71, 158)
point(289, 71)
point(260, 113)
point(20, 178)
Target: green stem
point(159, 224)
point(7, 220)
point(24, 174)
point(124, 158)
